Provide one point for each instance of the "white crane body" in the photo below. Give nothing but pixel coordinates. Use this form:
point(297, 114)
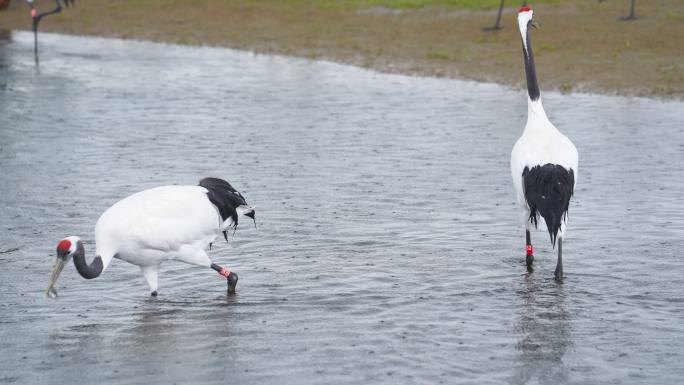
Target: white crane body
point(159, 224)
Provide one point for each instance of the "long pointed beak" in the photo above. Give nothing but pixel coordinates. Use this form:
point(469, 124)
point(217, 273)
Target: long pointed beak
point(59, 265)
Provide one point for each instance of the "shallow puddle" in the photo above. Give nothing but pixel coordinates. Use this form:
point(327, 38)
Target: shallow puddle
point(389, 247)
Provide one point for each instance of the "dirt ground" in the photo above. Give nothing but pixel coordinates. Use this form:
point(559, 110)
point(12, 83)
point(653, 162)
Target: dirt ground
point(582, 45)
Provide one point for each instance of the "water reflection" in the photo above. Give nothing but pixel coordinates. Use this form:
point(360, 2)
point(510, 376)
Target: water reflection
point(544, 330)
point(5, 38)
point(365, 192)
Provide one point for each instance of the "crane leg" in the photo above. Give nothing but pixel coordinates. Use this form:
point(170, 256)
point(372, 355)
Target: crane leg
point(631, 15)
point(529, 251)
point(35, 40)
point(558, 275)
point(151, 274)
point(202, 259)
point(497, 25)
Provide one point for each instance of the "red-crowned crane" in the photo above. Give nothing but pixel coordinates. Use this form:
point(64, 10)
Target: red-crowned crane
point(543, 161)
point(155, 225)
point(38, 16)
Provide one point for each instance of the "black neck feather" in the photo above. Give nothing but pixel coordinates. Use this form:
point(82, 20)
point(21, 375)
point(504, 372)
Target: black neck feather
point(530, 72)
point(87, 271)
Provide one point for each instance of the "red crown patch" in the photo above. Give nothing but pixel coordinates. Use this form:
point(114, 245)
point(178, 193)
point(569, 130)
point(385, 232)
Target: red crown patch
point(64, 245)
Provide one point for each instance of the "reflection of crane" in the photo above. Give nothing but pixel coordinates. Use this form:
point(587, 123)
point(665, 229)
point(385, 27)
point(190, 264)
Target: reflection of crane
point(159, 224)
point(38, 16)
point(631, 15)
point(497, 26)
point(543, 161)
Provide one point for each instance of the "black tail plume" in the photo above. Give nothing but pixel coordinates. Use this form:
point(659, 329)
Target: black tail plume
point(548, 190)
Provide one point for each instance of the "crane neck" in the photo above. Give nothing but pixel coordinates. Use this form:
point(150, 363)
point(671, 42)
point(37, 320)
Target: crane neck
point(530, 70)
point(87, 271)
point(37, 16)
point(537, 121)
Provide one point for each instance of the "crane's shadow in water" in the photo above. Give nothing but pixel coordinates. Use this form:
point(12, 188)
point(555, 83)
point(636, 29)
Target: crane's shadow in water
point(544, 329)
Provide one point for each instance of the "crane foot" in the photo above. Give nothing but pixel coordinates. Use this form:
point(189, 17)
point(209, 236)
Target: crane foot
point(232, 282)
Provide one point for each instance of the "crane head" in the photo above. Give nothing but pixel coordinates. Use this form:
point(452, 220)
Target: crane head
point(248, 211)
point(65, 251)
point(252, 214)
point(526, 18)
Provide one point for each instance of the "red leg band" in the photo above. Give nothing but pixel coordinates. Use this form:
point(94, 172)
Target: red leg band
point(530, 250)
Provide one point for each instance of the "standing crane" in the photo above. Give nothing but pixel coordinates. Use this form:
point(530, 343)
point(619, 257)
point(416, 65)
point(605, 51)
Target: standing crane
point(543, 161)
point(38, 16)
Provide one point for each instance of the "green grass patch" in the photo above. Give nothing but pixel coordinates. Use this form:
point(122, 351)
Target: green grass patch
point(673, 16)
point(438, 54)
point(546, 47)
point(565, 87)
point(343, 4)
